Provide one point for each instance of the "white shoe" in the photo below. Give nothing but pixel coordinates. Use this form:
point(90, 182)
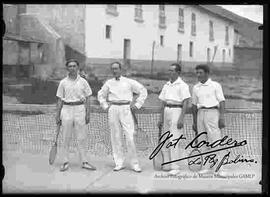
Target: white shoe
point(221, 174)
point(64, 167)
point(118, 167)
point(174, 172)
point(88, 166)
point(204, 171)
point(137, 168)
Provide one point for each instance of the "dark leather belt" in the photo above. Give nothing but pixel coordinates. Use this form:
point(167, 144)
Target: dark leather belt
point(73, 103)
point(173, 106)
point(215, 107)
point(115, 103)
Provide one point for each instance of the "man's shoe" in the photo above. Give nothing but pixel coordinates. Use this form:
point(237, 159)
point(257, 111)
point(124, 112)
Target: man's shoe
point(137, 168)
point(165, 168)
point(221, 174)
point(204, 171)
point(174, 172)
point(118, 168)
point(64, 167)
point(88, 166)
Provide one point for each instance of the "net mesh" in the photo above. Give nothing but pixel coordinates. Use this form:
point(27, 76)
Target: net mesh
point(31, 128)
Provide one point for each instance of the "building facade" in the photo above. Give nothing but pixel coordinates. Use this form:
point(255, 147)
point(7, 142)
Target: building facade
point(21, 53)
point(146, 38)
point(154, 35)
point(67, 20)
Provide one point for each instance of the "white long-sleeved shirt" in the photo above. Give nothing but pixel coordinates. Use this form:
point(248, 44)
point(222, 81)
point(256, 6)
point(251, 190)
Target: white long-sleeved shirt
point(121, 91)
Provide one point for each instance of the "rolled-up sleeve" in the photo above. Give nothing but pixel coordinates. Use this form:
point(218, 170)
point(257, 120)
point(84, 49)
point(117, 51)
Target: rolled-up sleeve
point(60, 90)
point(185, 92)
point(102, 96)
point(219, 93)
point(194, 96)
point(162, 93)
point(138, 89)
point(87, 89)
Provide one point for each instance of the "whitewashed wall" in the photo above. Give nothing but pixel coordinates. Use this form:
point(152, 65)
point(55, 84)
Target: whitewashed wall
point(143, 34)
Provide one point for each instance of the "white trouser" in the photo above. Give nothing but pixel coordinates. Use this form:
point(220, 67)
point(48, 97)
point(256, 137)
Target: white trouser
point(73, 120)
point(207, 121)
point(120, 118)
point(171, 117)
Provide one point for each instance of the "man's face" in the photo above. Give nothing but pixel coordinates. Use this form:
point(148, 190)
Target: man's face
point(202, 76)
point(116, 70)
point(72, 67)
point(173, 73)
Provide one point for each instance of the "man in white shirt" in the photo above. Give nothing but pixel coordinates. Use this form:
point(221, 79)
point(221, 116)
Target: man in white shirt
point(208, 106)
point(118, 91)
point(73, 111)
point(175, 96)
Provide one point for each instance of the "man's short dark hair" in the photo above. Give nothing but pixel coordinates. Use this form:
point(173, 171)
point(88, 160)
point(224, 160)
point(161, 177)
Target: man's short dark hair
point(119, 64)
point(204, 67)
point(178, 67)
point(72, 60)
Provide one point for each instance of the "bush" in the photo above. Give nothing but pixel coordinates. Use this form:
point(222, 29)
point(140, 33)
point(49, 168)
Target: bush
point(41, 92)
point(95, 85)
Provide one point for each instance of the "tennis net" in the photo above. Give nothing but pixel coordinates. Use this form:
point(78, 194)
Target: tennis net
point(31, 128)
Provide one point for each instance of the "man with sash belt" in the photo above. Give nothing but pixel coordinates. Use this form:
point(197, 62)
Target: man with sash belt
point(208, 106)
point(73, 111)
point(118, 91)
point(175, 96)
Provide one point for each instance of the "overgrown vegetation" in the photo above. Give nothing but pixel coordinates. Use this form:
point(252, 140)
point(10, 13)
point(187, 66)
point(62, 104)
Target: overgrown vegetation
point(40, 91)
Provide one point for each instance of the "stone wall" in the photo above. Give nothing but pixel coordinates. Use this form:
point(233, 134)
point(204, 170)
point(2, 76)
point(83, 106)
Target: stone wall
point(66, 19)
point(32, 26)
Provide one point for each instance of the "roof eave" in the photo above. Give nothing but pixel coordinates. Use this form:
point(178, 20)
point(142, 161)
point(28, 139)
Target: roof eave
point(21, 38)
point(219, 15)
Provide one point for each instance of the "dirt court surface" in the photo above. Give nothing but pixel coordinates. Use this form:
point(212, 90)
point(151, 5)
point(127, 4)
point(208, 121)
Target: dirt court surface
point(31, 173)
point(239, 91)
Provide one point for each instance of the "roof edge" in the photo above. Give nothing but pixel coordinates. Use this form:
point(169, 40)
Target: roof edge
point(217, 14)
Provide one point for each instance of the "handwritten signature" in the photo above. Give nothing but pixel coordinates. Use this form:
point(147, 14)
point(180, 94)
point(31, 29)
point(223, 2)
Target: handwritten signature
point(195, 143)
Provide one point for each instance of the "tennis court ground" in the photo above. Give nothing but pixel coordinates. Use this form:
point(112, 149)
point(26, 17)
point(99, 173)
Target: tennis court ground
point(29, 131)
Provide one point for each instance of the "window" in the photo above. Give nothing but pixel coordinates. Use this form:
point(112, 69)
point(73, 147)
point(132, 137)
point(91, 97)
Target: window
point(211, 31)
point(162, 18)
point(138, 13)
point(162, 8)
point(227, 35)
point(179, 53)
point(181, 20)
point(112, 9)
point(190, 49)
point(208, 55)
point(108, 31)
point(223, 55)
point(193, 24)
point(230, 52)
point(161, 40)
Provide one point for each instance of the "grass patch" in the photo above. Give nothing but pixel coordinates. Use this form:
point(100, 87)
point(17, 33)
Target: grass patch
point(256, 91)
point(42, 91)
point(95, 85)
point(243, 98)
point(156, 76)
point(25, 113)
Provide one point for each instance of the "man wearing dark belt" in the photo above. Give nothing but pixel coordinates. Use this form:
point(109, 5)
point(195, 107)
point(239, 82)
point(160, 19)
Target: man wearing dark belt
point(208, 105)
point(118, 91)
point(73, 111)
point(174, 95)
